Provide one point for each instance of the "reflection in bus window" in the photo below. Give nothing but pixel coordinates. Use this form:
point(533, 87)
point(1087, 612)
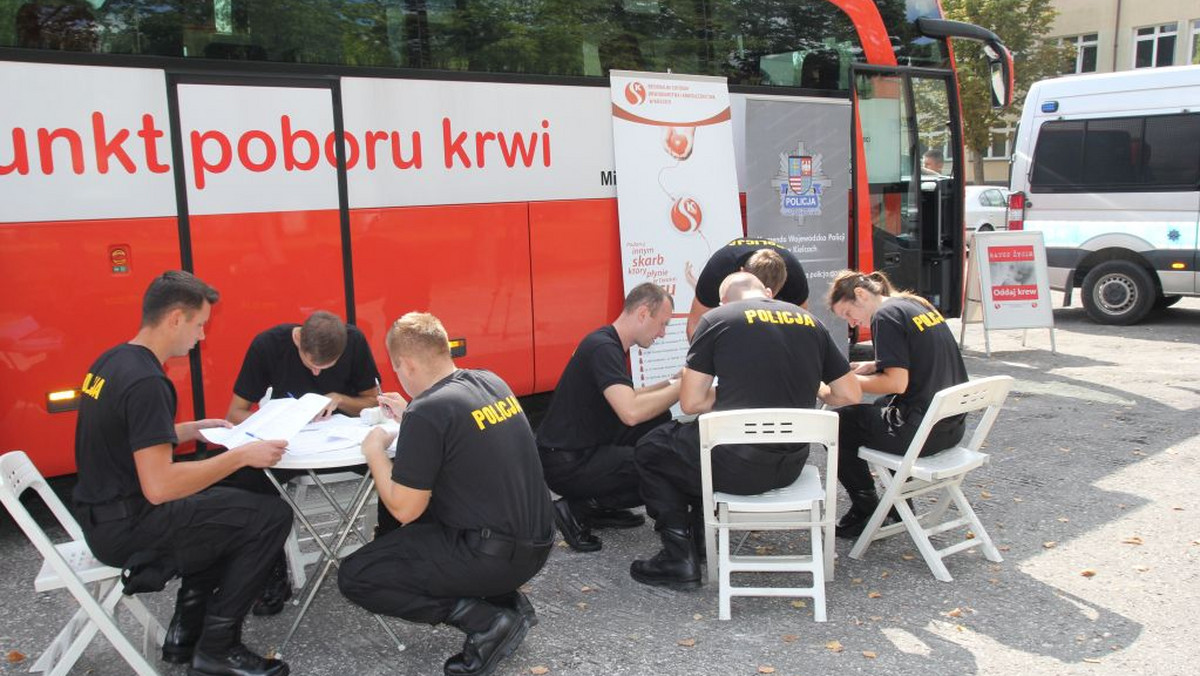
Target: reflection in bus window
point(808, 44)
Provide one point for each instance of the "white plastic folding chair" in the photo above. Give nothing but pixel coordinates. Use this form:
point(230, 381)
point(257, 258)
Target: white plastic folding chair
point(804, 505)
point(908, 476)
point(71, 566)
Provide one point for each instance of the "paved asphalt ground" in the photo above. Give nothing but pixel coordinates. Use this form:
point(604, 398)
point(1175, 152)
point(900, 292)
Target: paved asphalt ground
point(1090, 496)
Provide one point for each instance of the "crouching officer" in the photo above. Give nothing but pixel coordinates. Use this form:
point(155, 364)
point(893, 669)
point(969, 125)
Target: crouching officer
point(141, 510)
point(468, 487)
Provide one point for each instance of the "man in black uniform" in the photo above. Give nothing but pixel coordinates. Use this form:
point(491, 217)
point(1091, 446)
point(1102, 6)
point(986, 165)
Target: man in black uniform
point(324, 356)
point(468, 486)
point(596, 417)
point(765, 353)
point(773, 264)
point(155, 517)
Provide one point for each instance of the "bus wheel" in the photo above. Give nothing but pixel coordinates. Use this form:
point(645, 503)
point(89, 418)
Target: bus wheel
point(1118, 292)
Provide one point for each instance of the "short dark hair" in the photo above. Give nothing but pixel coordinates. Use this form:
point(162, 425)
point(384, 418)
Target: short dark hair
point(935, 154)
point(323, 337)
point(172, 289)
point(769, 267)
point(649, 294)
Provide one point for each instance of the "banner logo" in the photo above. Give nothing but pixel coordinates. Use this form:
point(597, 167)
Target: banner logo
point(635, 93)
point(801, 183)
point(799, 168)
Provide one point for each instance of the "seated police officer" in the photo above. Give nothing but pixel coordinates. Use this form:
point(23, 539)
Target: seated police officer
point(468, 487)
point(135, 503)
point(765, 353)
point(774, 265)
point(322, 355)
point(596, 417)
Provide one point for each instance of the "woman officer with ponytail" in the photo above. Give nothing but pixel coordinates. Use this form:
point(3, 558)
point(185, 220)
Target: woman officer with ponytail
point(915, 357)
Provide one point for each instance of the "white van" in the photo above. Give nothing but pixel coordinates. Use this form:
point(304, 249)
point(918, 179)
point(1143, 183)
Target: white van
point(1107, 166)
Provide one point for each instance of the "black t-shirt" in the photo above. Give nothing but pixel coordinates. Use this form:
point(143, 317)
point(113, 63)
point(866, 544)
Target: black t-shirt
point(765, 353)
point(273, 360)
point(128, 404)
point(909, 335)
point(467, 439)
point(730, 259)
point(579, 415)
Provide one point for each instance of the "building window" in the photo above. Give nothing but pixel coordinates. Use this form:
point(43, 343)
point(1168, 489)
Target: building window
point(1195, 53)
point(1154, 46)
point(999, 144)
point(1085, 52)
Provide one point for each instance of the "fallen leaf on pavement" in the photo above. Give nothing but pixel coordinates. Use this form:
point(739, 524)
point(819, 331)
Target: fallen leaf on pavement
point(1051, 544)
point(766, 669)
point(15, 656)
point(1141, 569)
point(957, 612)
point(1004, 548)
point(790, 638)
point(686, 642)
point(582, 605)
point(697, 616)
point(869, 654)
point(985, 495)
point(799, 604)
point(1087, 572)
point(1132, 540)
point(1063, 519)
point(907, 556)
point(856, 580)
point(539, 671)
point(835, 646)
point(1091, 660)
point(873, 595)
point(585, 589)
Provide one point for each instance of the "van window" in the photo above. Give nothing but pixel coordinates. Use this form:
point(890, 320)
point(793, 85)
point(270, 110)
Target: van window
point(1118, 155)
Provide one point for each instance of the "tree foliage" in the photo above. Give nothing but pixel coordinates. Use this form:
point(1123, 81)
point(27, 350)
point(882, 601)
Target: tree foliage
point(1022, 25)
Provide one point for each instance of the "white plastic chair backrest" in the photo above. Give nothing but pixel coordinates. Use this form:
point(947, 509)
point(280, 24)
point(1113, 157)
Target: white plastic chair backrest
point(984, 393)
point(17, 474)
point(766, 426)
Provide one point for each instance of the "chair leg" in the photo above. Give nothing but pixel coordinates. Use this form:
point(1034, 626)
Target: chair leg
point(710, 552)
point(916, 531)
point(153, 632)
point(724, 611)
point(981, 534)
point(818, 575)
point(881, 511)
point(295, 559)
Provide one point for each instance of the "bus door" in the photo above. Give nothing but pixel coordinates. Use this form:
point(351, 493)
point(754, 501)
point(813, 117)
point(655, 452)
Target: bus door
point(916, 230)
point(264, 209)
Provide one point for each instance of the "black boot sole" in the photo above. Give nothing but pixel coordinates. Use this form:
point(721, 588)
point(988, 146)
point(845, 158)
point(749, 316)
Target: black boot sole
point(178, 655)
point(677, 585)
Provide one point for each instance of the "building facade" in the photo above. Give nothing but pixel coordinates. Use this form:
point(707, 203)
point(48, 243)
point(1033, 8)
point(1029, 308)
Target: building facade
point(1109, 36)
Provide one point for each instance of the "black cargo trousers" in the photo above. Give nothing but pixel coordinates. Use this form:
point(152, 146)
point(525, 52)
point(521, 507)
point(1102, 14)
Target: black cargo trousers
point(223, 539)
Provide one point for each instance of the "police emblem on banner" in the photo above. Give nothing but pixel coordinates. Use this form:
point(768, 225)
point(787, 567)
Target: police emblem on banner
point(801, 183)
point(800, 173)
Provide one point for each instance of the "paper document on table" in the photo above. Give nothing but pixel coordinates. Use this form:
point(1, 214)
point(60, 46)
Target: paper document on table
point(277, 419)
point(333, 435)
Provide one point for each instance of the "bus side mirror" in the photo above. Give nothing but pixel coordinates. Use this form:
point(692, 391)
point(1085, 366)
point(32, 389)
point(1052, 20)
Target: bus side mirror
point(1000, 67)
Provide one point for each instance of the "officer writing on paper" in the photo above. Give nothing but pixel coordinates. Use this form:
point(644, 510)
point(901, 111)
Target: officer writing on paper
point(773, 264)
point(765, 353)
point(324, 356)
point(596, 417)
point(468, 487)
point(141, 510)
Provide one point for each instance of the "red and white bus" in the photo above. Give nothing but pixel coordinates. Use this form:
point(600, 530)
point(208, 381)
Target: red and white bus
point(372, 158)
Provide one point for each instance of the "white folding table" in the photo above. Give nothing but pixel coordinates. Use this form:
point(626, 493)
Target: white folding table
point(340, 454)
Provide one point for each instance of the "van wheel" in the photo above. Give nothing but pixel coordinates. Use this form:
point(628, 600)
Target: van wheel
point(986, 227)
point(1118, 292)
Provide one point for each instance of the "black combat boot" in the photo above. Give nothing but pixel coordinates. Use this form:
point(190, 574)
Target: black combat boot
point(220, 652)
point(186, 624)
point(518, 601)
point(493, 633)
point(674, 567)
point(276, 591)
point(862, 505)
point(592, 514)
point(577, 536)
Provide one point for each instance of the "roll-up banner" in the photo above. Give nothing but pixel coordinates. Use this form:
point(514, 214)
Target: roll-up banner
point(677, 196)
point(798, 183)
